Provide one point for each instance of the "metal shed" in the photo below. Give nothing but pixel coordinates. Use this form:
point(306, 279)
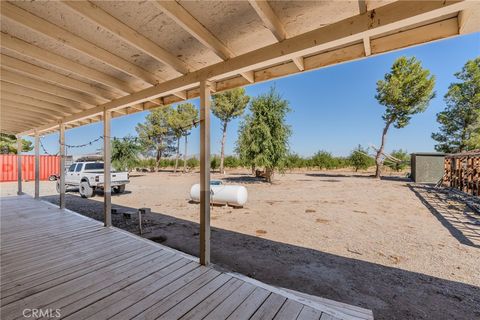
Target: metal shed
point(427, 167)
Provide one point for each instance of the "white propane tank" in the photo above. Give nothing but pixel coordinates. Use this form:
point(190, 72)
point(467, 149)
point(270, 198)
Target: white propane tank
point(222, 194)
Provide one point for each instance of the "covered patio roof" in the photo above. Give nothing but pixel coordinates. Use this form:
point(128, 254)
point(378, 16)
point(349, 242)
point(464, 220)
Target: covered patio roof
point(68, 62)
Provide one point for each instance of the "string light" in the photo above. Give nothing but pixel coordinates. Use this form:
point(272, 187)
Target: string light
point(70, 146)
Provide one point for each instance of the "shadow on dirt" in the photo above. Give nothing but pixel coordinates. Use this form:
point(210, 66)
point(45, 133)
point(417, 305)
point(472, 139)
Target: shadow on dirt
point(391, 293)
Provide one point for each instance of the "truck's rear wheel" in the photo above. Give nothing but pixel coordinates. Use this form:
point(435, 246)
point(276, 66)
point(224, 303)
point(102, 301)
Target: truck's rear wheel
point(58, 186)
point(85, 190)
point(119, 189)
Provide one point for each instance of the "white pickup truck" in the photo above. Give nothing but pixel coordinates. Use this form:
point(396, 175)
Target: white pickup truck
point(88, 176)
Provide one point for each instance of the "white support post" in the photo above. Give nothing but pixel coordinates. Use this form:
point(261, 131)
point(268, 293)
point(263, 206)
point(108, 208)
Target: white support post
point(37, 165)
point(205, 172)
point(62, 164)
point(107, 195)
point(19, 164)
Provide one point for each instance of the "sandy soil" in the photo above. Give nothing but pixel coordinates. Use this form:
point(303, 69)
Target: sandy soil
point(338, 235)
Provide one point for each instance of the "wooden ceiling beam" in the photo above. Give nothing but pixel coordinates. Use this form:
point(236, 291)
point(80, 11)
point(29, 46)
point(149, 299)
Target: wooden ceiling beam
point(37, 24)
point(12, 108)
point(273, 23)
point(188, 23)
point(468, 21)
point(67, 104)
point(35, 100)
point(367, 46)
point(39, 73)
point(26, 49)
point(270, 20)
point(298, 61)
point(129, 35)
point(16, 78)
point(22, 118)
point(6, 102)
point(388, 18)
point(362, 6)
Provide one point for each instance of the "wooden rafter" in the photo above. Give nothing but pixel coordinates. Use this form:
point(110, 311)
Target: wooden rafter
point(4, 101)
point(35, 99)
point(183, 18)
point(26, 49)
point(16, 109)
point(271, 21)
point(22, 80)
point(188, 22)
point(340, 41)
point(37, 24)
point(39, 73)
point(121, 30)
point(362, 6)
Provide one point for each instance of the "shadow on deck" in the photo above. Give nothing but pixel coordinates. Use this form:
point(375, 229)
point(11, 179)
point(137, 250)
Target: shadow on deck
point(391, 293)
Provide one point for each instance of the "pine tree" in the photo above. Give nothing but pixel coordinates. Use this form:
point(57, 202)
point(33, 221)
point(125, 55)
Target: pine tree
point(460, 121)
point(405, 91)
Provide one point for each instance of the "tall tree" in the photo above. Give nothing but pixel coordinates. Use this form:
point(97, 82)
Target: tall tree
point(181, 120)
point(155, 135)
point(405, 91)
point(8, 144)
point(125, 153)
point(460, 121)
point(227, 106)
point(263, 136)
point(474, 142)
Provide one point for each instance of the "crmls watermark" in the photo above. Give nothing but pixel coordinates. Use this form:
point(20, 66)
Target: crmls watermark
point(41, 313)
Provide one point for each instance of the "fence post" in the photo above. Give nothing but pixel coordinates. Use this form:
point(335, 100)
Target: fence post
point(107, 190)
point(37, 165)
point(62, 164)
point(19, 164)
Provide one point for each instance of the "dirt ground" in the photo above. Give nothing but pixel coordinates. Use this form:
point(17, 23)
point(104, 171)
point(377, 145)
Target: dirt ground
point(383, 245)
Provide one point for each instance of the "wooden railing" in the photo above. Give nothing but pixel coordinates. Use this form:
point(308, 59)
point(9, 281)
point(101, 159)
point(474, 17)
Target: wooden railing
point(462, 172)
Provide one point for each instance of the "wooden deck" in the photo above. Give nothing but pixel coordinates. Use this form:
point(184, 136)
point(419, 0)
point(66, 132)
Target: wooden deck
point(52, 259)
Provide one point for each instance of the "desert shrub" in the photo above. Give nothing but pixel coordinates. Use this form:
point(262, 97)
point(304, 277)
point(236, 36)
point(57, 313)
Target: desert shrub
point(214, 162)
point(192, 163)
point(231, 162)
point(294, 161)
point(359, 159)
point(323, 160)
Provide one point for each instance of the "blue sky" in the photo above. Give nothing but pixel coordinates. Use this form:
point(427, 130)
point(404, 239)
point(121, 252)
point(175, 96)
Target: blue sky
point(333, 109)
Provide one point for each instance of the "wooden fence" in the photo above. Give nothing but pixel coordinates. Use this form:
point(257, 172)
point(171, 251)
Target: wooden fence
point(462, 172)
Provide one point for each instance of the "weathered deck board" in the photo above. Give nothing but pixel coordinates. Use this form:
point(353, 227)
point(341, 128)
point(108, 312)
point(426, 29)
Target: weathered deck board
point(53, 259)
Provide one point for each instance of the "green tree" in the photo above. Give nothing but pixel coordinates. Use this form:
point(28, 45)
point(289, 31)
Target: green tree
point(8, 144)
point(460, 121)
point(405, 91)
point(263, 135)
point(156, 137)
point(359, 159)
point(125, 153)
point(227, 106)
point(400, 160)
point(181, 120)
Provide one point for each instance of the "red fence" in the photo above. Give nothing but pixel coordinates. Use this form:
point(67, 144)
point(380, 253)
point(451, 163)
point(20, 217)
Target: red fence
point(8, 167)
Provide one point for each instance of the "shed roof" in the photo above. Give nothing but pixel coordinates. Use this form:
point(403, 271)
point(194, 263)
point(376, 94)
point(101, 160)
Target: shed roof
point(69, 61)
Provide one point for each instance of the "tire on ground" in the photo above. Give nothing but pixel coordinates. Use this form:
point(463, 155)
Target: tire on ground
point(119, 189)
point(85, 190)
